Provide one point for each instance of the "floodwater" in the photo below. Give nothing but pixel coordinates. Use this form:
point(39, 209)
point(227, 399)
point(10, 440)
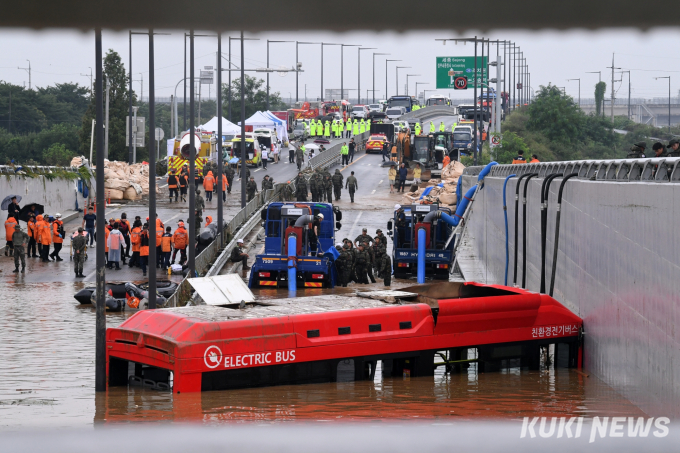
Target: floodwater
point(47, 379)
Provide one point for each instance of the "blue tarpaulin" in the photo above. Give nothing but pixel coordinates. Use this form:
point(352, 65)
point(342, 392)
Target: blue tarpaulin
point(426, 193)
point(333, 251)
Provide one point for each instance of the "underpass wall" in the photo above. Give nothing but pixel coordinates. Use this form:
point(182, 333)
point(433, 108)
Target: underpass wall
point(57, 195)
point(618, 267)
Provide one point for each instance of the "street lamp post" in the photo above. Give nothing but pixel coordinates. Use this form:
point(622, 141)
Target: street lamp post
point(324, 44)
point(407, 76)
point(297, 85)
point(622, 72)
point(342, 68)
point(268, 41)
point(421, 83)
point(359, 72)
point(579, 90)
point(387, 61)
point(397, 78)
point(669, 99)
point(374, 54)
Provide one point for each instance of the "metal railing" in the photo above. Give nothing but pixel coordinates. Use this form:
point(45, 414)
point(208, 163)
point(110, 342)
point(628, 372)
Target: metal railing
point(658, 169)
point(332, 154)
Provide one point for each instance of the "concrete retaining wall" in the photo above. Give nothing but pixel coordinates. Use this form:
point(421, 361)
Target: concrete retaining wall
point(618, 267)
point(58, 195)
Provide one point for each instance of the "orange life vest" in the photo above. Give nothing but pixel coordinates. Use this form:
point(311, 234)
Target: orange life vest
point(10, 225)
point(55, 233)
point(135, 238)
point(166, 242)
point(180, 238)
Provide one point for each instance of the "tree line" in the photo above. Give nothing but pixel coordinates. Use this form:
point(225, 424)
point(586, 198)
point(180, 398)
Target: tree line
point(49, 126)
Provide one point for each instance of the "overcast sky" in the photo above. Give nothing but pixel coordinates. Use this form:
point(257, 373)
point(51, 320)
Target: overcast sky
point(66, 56)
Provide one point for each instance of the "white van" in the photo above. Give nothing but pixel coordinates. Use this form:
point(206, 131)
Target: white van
point(395, 112)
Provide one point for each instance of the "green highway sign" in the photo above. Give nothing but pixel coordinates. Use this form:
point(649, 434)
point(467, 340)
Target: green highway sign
point(448, 68)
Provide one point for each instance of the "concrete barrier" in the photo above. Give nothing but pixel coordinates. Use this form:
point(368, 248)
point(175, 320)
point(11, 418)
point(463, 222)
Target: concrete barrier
point(618, 267)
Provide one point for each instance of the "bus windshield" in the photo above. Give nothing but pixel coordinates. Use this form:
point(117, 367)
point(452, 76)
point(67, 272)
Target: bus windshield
point(437, 101)
point(399, 102)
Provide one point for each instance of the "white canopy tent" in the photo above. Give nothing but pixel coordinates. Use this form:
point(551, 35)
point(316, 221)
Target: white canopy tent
point(282, 128)
point(227, 126)
point(262, 119)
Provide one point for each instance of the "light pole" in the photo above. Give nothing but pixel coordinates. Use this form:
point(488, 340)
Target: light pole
point(374, 90)
point(268, 41)
point(407, 76)
point(342, 68)
point(421, 83)
point(324, 44)
point(669, 99)
point(297, 85)
point(359, 72)
point(28, 69)
point(397, 77)
point(622, 72)
point(579, 90)
point(386, 61)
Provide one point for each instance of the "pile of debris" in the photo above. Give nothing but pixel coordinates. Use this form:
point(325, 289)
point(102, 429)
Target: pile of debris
point(123, 181)
point(440, 191)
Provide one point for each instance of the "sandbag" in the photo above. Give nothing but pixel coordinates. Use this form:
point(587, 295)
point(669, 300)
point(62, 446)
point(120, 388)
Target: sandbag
point(453, 170)
point(114, 194)
point(447, 198)
point(116, 183)
point(131, 194)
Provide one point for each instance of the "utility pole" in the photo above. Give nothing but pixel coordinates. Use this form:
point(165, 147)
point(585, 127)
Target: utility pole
point(474, 102)
point(579, 90)
point(669, 99)
point(613, 92)
point(29, 73)
point(130, 98)
point(106, 120)
point(623, 72)
point(152, 173)
point(91, 87)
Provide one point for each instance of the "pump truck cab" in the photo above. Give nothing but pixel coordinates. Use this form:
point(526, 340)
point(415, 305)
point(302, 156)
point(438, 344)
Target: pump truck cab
point(438, 256)
point(315, 265)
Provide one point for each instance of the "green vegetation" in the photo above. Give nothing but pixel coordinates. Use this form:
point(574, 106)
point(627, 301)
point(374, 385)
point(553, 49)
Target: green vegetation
point(600, 89)
point(255, 97)
point(554, 128)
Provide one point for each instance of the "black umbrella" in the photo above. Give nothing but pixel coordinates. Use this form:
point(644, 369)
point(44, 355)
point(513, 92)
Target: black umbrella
point(8, 199)
point(26, 210)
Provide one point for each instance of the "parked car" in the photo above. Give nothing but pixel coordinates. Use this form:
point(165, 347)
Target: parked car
point(301, 131)
point(401, 125)
point(395, 112)
point(375, 107)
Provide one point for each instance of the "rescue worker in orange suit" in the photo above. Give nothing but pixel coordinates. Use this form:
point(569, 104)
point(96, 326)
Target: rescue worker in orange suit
point(183, 184)
point(44, 237)
point(166, 247)
point(520, 158)
point(135, 238)
point(225, 184)
point(160, 228)
point(180, 240)
point(208, 220)
point(534, 159)
point(173, 183)
point(57, 236)
point(107, 231)
point(10, 224)
point(144, 248)
point(31, 252)
point(446, 161)
point(209, 185)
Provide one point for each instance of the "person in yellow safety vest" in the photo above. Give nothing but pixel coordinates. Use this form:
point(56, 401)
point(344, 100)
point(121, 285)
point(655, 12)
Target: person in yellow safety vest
point(417, 128)
point(442, 128)
point(431, 127)
point(368, 125)
point(362, 126)
point(453, 126)
point(327, 129)
point(348, 128)
point(355, 127)
point(334, 127)
point(338, 129)
point(312, 128)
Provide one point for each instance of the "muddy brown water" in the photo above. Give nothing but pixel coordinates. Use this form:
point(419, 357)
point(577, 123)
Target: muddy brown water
point(47, 379)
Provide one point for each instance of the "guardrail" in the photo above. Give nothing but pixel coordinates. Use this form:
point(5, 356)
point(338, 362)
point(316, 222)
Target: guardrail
point(658, 169)
point(332, 154)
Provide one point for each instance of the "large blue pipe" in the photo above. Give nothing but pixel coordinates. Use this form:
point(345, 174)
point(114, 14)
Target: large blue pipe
point(292, 270)
point(485, 171)
point(505, 213)
point(421, 254)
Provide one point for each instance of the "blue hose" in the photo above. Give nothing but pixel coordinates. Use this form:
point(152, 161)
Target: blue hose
point(505, 213)
point(459, 188)
point(485, 171)
point(292, 269)
point(421, 255)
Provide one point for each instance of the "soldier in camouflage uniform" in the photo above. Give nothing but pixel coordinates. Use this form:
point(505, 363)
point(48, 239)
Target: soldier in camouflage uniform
point(379, 250)
point(637, 151)
point(369, 269)
point(229, 172)
point(267, 183)
point(200, 203)
point(197, 225)
point(251, 188)
point(353, 258)
point(341, 264)
point(363, 263)
point(19, 241)
point(314, 186)
point(328, 188)
point(337, 183)
point(386, 268)
point(301, 188)
point(79, 244)
point(383, 238)
point(363, 237)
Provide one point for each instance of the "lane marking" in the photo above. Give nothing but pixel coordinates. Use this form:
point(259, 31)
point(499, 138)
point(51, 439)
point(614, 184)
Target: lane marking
point(257, 170)
point(381, 181)
point(163, 187)
point(373, 191)
point(352, 163)
point(354, 225)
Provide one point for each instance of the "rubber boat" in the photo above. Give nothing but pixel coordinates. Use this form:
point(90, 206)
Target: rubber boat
point(119, 292)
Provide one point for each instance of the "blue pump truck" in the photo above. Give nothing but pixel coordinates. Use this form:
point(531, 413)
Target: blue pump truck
point(314, 257)
point(438, 257)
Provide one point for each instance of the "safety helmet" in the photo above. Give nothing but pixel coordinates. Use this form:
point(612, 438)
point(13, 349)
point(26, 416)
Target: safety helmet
point(320, 216)
point(396, 206)
point(57, 216)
